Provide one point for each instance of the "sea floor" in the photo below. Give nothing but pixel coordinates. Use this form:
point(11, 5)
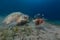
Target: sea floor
point(44, 31)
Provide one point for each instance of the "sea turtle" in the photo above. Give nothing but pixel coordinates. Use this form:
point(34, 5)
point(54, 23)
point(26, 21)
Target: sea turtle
point(16, 18)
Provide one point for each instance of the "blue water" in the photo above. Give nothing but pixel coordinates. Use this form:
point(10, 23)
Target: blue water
point(50, 8)
point(54, 22)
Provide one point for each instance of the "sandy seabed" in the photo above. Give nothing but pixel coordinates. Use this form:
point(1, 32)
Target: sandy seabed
point(30, 32)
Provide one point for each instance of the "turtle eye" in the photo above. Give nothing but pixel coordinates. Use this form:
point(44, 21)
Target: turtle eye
point(25, 17)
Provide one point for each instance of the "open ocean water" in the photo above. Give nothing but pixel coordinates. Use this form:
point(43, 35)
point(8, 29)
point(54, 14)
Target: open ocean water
point(54, 22)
